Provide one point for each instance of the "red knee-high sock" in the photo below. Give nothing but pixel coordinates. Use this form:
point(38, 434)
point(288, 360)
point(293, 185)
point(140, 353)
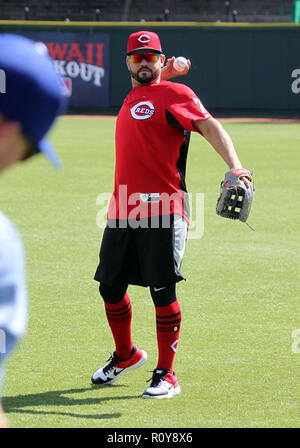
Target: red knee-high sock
point(119, 317)
point(168, 320)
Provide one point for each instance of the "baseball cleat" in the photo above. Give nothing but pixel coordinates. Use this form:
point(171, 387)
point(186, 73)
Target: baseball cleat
point(115, 367)
point(164, 384)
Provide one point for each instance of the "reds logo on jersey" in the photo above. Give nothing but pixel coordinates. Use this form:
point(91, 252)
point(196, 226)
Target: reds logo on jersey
point(142, 110)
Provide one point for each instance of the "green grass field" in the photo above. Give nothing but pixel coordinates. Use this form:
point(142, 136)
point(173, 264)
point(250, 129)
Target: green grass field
point(240, 303)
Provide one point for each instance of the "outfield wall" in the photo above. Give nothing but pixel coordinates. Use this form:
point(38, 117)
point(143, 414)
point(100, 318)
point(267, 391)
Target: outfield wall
point(248, 68)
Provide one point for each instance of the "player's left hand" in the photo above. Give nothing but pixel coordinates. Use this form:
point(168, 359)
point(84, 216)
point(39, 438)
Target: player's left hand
point(246, 181)
point(168, 71)
point(236, 195)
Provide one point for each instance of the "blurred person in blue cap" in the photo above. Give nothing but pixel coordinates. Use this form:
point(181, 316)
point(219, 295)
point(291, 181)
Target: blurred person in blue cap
point(31, 97)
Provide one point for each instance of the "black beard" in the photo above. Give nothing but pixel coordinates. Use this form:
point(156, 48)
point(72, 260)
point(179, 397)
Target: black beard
point(144, 79)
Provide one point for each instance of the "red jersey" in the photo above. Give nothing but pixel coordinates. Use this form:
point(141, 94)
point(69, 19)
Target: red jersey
point(152, 137)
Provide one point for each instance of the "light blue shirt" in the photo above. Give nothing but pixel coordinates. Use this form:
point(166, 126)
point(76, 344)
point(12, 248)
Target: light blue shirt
point(13, 294)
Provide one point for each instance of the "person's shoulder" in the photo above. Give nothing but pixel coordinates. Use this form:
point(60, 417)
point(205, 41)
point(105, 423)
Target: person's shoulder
point(8, 231)
point(173, 88)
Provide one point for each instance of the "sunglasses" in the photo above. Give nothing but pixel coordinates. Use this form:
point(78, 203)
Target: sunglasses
point(138, 57)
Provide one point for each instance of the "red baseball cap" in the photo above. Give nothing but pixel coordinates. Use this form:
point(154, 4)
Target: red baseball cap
point(143, 40)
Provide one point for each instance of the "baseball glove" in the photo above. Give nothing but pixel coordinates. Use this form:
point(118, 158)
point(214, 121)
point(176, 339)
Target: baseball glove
point(235, 198)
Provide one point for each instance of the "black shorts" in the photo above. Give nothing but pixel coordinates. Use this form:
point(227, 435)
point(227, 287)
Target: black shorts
point(146, 256)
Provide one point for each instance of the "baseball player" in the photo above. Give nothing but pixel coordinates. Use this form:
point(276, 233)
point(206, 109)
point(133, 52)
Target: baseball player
point(29, 104)
point(148, 215)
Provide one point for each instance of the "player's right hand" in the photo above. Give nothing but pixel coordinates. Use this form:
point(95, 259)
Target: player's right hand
point(168, 71)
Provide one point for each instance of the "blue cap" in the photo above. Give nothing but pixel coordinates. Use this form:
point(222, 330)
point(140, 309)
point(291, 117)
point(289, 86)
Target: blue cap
point(33, 94)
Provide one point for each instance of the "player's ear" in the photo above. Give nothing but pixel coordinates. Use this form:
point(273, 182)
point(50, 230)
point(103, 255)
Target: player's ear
point(162, 59)
point(127, 63)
